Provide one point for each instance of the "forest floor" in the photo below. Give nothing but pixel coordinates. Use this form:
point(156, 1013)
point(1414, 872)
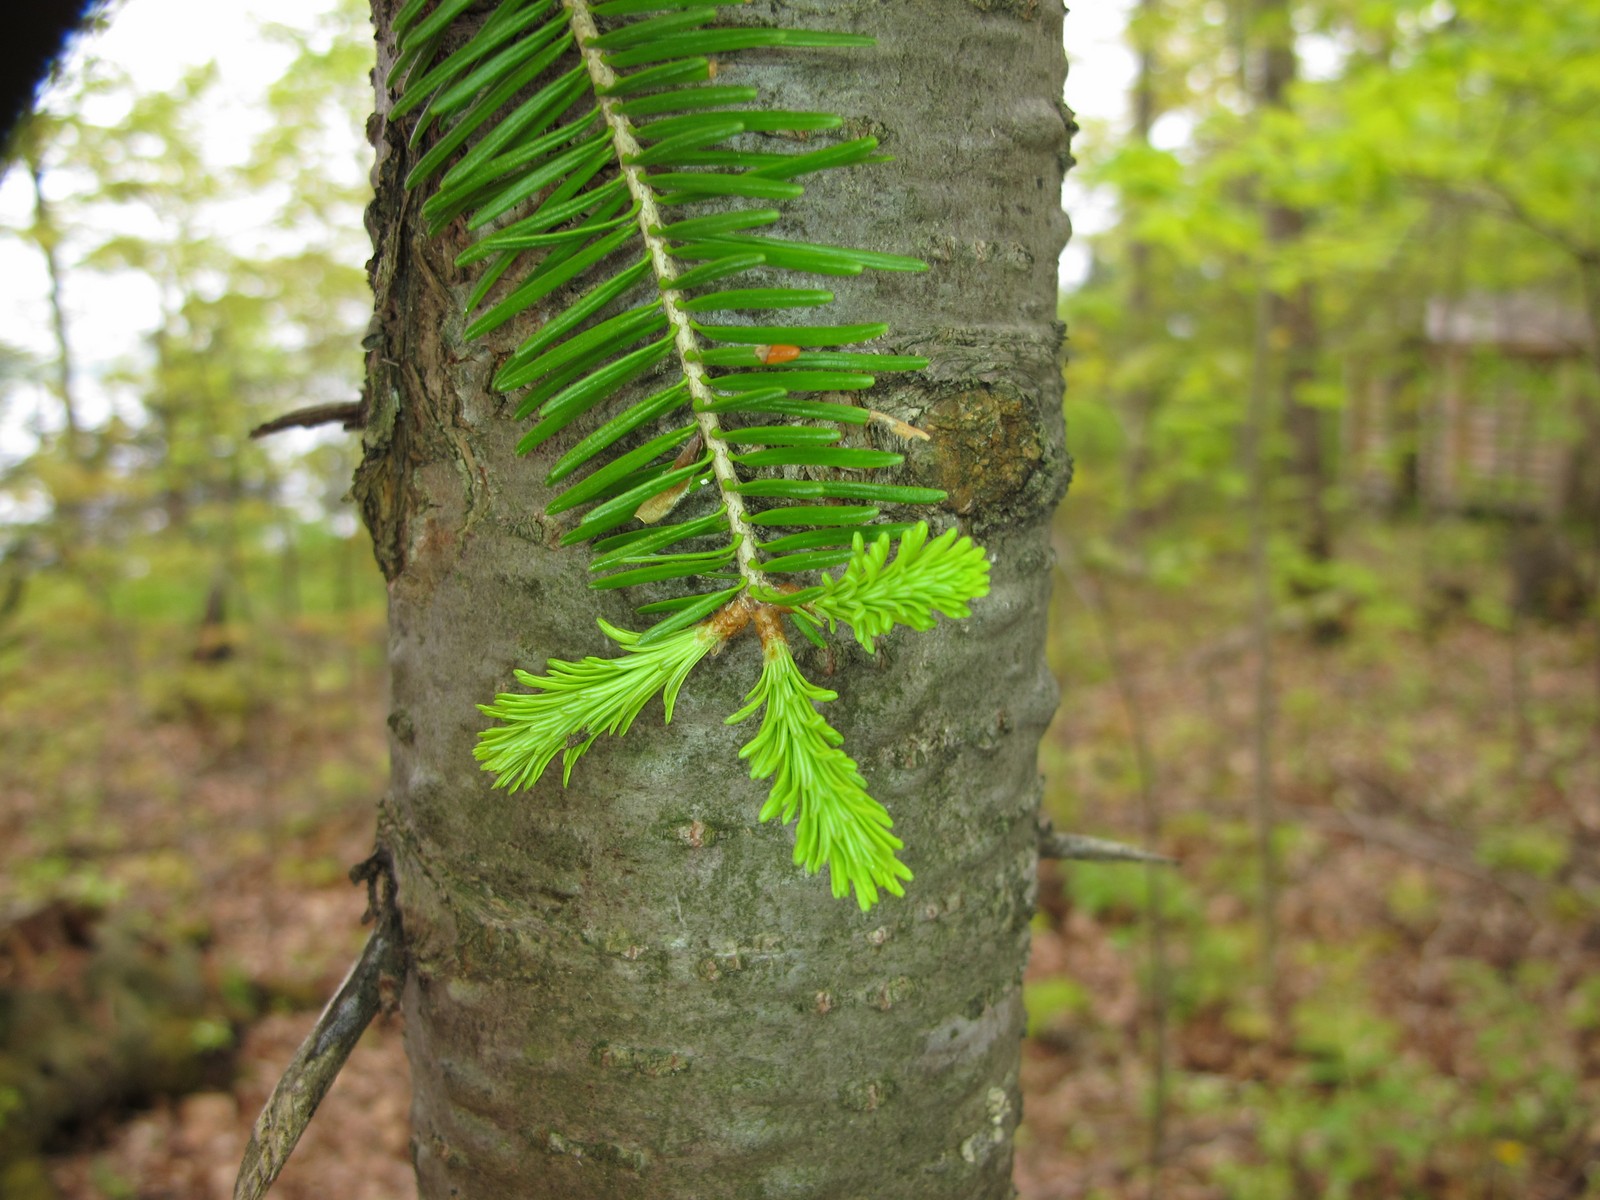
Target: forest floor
point(1431, 1027)
point(1429, 1023)
point(223, 803)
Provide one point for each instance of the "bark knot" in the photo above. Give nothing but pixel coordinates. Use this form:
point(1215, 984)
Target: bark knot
point(986, 449)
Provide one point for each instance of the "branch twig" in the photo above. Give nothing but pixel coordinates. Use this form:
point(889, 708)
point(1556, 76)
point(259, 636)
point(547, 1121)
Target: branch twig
point(1421, 845)
point(1081, 848)
point(346, 412)
point(321, 1056)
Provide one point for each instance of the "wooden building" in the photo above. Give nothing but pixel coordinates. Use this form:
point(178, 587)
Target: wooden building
point(1485, 411)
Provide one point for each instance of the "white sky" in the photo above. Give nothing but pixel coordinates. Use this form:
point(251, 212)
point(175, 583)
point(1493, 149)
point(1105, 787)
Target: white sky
point(155, 41)
point(1100, 73)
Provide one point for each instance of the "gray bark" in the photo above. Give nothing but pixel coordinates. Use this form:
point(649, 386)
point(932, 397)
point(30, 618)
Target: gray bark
point(625, 988)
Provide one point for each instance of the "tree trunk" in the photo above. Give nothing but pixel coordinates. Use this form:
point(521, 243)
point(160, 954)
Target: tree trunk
point(1293, 311)
point(625, 988)
point(48, 238)
point(1142, 399)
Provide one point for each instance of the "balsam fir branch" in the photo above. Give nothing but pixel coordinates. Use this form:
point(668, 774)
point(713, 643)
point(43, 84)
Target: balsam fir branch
point(576, 140)
point(816, 784)
point(924, 579)
point(595, 696)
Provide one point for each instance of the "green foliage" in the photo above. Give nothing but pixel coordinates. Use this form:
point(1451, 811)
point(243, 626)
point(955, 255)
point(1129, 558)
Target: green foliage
point(1438, 153)
point(136, 498)
point(143, 486)
point(1539, 851)
point(874, 594)
point(594, 696)
point(1047, 1000)
point(580, 146)
point(1403, 1066)
point(817, 785)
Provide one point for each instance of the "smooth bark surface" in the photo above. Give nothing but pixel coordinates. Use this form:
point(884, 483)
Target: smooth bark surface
point(626, 988)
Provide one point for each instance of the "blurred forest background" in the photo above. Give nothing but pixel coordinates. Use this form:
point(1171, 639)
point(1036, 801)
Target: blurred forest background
point(1326, 619)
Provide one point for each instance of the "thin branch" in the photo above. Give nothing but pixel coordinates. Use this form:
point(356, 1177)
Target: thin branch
point(1521, 213)
point(322, 1055)
point(347, 413)
point(1496, 200)
point(48, 238)
point(1257, 435)
point(1420, 845)
point(1078, 847)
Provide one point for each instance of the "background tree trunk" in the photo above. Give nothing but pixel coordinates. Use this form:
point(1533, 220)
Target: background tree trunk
point(1142, 400)
point(626, 988)
point(1293, 310)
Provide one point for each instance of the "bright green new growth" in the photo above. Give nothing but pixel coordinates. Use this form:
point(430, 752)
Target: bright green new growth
point(924, 579)
point(838, 823)
point(595, 696)
point(577, 141)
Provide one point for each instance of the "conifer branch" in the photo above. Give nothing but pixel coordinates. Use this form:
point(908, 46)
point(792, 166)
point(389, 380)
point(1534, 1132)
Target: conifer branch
point(924, 580)
point(648, 216)
point(817, 785)
point(577, 702)
point(556, 201)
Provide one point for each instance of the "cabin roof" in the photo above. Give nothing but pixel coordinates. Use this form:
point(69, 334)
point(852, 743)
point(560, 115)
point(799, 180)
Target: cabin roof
point(1513, 322)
